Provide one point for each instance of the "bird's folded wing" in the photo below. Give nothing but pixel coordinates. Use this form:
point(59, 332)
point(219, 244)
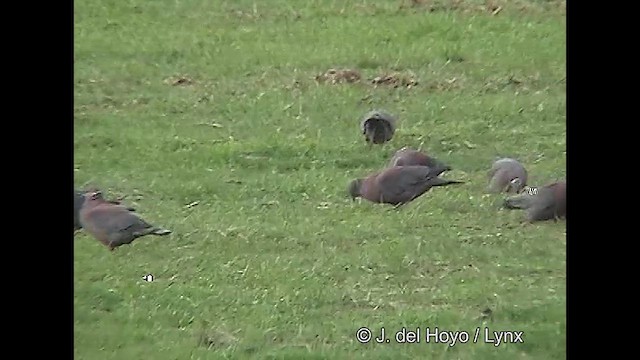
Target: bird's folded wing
point(545, 200)
point(117, 219)
point(401, 183)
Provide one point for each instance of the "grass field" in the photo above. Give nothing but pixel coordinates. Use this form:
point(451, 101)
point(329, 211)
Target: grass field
point(216, 102)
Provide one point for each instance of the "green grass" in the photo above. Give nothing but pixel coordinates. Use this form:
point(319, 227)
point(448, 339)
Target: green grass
point(275, 262)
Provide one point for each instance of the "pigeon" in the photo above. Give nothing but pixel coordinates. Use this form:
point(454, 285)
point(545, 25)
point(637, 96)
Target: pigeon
point(78, 201)
point(507, 175)
point(378, 127)
point(407, 157)
point(114, 225)
point(546, 203)
point(398, 185)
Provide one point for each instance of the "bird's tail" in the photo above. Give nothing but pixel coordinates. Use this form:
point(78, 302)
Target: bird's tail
point(446, 167)
point(160, 231)
point(444, 182)
point(437, 168)
point(154, 231)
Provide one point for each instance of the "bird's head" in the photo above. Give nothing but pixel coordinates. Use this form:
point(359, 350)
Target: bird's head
point(354, 188)
point(515, 186)
point(94, 195)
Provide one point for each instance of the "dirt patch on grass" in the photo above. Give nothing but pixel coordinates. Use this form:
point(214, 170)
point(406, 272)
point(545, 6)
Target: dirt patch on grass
point(518, 83)
point(490, 7)
point(452, 83)
point(339, 76)
point(436, 5)
point(395, 79)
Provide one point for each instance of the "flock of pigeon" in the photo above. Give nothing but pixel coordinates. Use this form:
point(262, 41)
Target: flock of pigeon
point(409, 174)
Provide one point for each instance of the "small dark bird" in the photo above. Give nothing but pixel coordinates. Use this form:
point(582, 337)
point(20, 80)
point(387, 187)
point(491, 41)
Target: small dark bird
point(398, 185)
point(78, 201)
point(378, 127)
point(114, 225)
point(407, 157)
point(546, 203)
point(507, 175)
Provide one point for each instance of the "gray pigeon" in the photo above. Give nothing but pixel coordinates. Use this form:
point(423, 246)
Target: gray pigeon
point(407, 157)
point(507, 175)
point(113, 225)
point(378, 127)
point(546, 203)
point(78, 201)
point(398, 185)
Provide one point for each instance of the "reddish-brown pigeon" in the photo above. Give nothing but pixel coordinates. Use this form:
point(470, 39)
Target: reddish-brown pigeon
point(545, 203)
point(378, 127)
point(407, 157)
point(78, 201)
point(114, 225)
point(398, 185)
point(507, 175)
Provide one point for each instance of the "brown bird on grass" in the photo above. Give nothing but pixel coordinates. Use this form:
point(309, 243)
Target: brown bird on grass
point(407, 157)
point(114, 225)
point(507, 175)
point(378, 127)
point(545, 203)
point(78, 201)
point(399, 185)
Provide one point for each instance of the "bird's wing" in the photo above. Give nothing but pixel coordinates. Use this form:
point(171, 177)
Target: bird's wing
point(403, 183)
point(545, 200)
point(117, 219)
